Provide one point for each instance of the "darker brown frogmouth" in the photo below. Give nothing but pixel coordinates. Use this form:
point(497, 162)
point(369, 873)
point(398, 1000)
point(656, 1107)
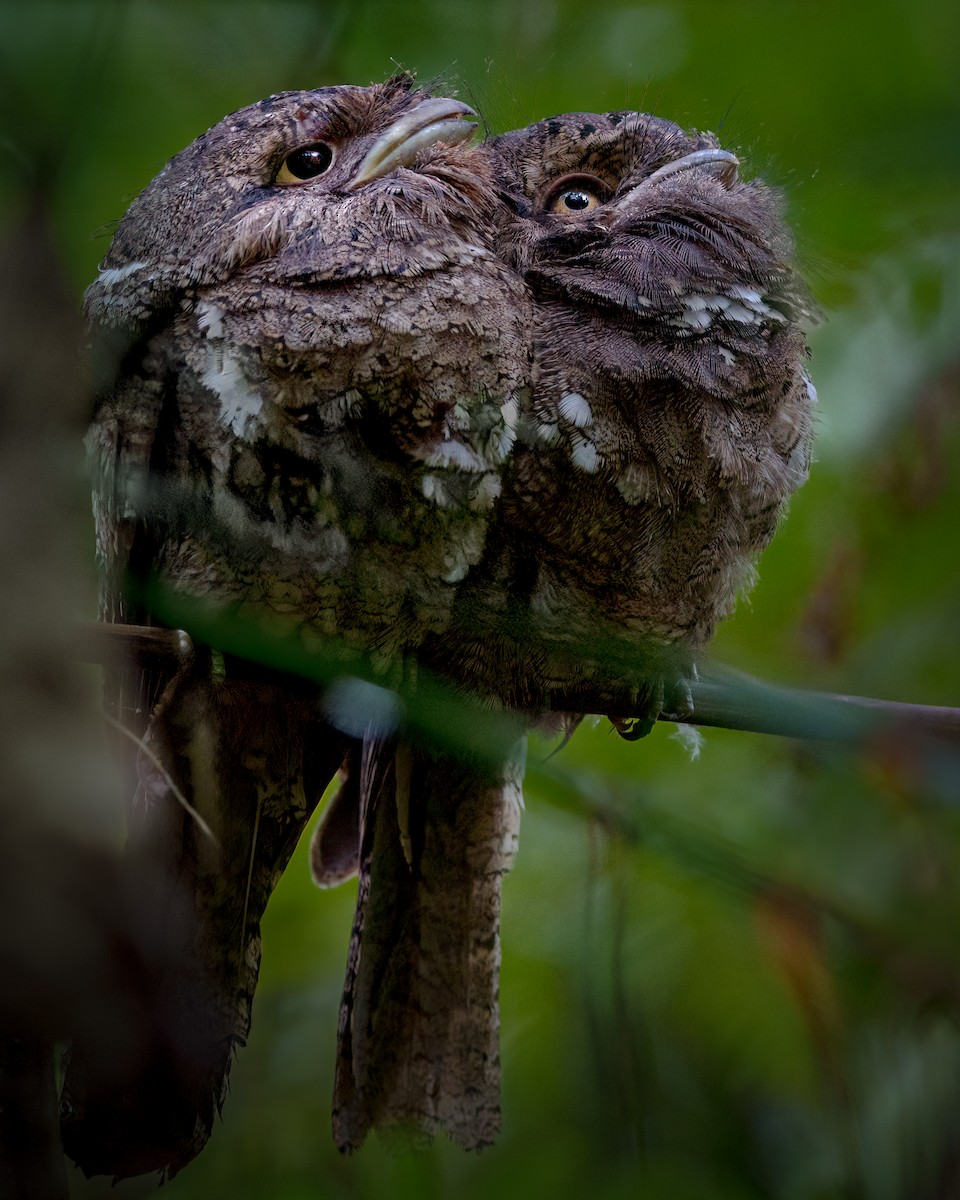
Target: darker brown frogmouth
point(670, 417)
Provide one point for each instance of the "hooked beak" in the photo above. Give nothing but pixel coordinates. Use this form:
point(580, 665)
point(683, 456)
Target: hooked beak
point(432, 121)
point(727, 164)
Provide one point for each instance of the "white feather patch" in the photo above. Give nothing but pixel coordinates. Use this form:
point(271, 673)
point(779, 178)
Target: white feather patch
point(456, 573)
point(548, 434)
point(690, 738)
point(485, 492)
point(576, 409)
point(455, 454)
point(240, 404)
point(510, 411)
point(111, 275)
point(694, 318)
point(433, 489)
point(210, 319)
point(584, 455)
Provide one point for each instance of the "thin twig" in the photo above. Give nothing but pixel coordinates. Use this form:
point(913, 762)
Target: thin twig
point(721, 698)
point(145, 749)
point(731, 700)
point(103, 641)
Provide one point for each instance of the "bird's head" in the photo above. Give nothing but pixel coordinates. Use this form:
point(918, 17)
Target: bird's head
point(310, 186)
point(626, 211)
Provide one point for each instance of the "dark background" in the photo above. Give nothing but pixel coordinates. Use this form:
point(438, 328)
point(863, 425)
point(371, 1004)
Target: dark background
point(734, 977)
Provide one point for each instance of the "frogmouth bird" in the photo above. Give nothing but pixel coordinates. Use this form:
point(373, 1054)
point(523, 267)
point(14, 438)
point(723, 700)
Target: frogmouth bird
point(310, 367)
point(670, 417)
point(522, 414)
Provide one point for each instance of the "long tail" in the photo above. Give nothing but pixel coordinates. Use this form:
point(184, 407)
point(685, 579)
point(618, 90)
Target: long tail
point(418, 1046)
point(229, 752)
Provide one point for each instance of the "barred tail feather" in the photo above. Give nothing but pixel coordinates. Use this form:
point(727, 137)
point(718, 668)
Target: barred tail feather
point(418, 1046)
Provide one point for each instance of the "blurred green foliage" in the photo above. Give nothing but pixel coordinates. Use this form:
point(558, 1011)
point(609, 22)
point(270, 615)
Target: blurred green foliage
point(733, 977)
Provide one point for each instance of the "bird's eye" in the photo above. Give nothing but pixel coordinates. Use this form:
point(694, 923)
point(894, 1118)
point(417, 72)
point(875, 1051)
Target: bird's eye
point(305, 163)
point(576, 194)
point(574, 200)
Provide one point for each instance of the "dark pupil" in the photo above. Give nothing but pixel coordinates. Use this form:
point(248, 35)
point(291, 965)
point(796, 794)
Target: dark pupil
point(576, 200)
point(309, 161)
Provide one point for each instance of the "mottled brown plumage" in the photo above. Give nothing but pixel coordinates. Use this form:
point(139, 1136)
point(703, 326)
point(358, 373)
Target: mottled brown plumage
point(669, 420)
point(334, 376)
point(671, 413)
point(418, 1048)
point(317, 361)
point(527, 412)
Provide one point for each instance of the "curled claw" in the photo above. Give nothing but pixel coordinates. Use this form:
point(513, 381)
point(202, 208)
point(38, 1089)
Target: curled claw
point(632, 729)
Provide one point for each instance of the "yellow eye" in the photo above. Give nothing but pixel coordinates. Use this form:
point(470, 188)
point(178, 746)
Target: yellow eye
point(574, 200)
point(304, 164)
point(575, 194)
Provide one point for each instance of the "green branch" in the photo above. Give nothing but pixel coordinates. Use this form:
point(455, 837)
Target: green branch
point(720, 697)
